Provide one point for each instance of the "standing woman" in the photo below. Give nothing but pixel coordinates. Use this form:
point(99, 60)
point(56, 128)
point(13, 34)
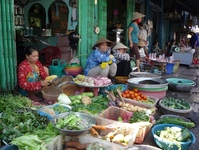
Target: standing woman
point(133, 31)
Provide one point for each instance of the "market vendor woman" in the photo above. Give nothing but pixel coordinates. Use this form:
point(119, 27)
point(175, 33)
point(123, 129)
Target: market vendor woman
point(31, 74)
point(101, 62)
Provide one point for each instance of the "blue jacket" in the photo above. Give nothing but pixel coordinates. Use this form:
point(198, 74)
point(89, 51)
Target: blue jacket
point(96, 58)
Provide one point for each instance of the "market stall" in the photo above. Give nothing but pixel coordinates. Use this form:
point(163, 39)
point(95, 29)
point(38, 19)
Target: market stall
point(119, 117)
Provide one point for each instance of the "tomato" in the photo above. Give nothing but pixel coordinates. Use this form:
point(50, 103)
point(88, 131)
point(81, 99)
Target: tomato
point(144, 97)
point(126, 92)
point(131, 92)
point(135, 90)
point(135, 94)
point(124, 95)
point(128, 95)
point(132, 96)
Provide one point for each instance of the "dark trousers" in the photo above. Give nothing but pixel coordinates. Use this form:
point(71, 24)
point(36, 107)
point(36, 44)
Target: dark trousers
point(123, 68)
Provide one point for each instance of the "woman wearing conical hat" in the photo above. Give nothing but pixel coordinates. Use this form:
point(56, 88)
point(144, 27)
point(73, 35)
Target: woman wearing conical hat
point(122, 59)
point(133, 31)
point(100, 62)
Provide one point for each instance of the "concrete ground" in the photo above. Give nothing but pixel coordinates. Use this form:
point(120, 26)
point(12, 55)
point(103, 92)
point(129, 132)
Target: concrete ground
point(192, 97)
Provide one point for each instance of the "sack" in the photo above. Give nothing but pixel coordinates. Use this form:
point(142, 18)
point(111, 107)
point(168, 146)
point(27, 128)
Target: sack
point(57, 67)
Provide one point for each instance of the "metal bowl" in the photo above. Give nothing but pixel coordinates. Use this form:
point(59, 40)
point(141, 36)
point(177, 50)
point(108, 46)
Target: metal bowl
point(144, 74)
point(91, 120)
point(147, 82)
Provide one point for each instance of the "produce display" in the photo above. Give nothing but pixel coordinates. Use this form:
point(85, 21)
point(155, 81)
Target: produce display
point(29, 127)
point(174, 103)
point(91, 81)
point(21, 124)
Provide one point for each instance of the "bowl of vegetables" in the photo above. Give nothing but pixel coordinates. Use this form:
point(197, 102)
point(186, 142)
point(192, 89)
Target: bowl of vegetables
point(73, 123)
point(171, 105)
point(172, 137)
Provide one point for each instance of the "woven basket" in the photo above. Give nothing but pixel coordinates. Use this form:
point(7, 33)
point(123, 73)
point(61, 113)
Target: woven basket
point(121, 79)
point(51, 93)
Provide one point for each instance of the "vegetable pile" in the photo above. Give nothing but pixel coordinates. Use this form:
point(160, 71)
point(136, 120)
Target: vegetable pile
point(18, 120)
point(174, 134)
point(174, 103)
point(134, 94)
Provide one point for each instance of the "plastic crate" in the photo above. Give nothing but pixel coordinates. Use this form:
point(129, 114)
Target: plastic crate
point(142, 104)
point(133, 130)
point(114, 112)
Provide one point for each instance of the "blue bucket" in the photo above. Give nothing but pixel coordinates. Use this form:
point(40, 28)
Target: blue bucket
point(169, 68)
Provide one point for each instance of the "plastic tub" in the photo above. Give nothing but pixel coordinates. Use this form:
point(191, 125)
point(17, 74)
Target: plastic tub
point(169, 68)
point(162, 143)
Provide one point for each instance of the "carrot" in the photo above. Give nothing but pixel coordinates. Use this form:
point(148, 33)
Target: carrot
point(99, 127)
point(94, 132)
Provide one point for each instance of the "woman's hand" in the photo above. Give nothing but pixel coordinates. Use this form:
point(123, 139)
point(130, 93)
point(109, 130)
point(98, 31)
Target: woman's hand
point(44, 83)
point(131, 45)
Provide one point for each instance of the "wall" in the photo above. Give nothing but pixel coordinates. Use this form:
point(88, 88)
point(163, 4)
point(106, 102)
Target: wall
point(46, 4)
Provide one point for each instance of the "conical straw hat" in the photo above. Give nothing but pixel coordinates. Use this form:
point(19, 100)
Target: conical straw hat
point(102, 40)
point(137, 15)
point(120, 46)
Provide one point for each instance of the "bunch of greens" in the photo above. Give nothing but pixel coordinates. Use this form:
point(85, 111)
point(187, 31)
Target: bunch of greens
point(99, 103)
point(29, 142)
point(139, 116)
point(72, 122)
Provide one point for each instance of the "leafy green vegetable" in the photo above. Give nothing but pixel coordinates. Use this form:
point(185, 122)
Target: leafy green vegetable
point(99, 103)
point(72, 122)
point(139, 116)
point(29, 142)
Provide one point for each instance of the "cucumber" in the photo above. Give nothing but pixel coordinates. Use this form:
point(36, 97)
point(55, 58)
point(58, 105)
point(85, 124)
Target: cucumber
point(75, 97)
point(89, 94)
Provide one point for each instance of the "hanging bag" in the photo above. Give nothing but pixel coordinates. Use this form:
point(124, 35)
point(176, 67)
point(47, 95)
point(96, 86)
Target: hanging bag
point(57, 67)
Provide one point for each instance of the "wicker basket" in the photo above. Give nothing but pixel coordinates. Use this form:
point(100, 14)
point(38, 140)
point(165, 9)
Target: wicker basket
point(121, 79)
point(51, 93)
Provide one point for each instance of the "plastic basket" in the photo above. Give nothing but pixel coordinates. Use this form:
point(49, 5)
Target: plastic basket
point(142, 104)
point(113, 113)
point(133, 130)
point(57, 69)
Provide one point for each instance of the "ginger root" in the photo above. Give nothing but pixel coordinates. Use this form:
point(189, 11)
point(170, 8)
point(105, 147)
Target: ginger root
point(86, 100)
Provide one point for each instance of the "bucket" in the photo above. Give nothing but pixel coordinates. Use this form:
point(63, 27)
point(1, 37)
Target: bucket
point(57, 67)
point(176, 66)
point(169, 68)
